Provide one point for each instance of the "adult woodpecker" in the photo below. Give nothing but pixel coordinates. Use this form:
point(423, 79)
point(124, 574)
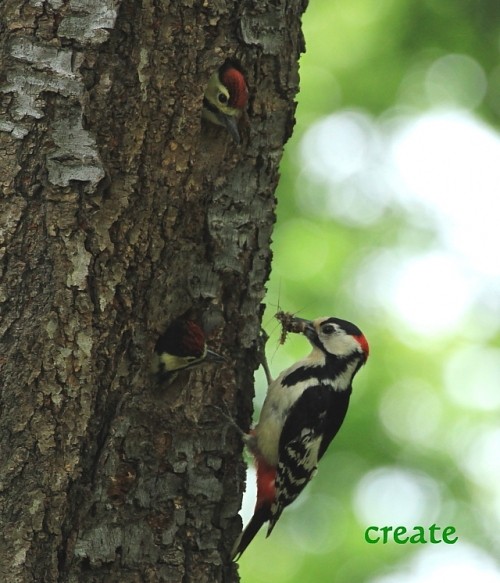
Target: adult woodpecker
point(181, 346)
point(303, 411)
point(225, 98)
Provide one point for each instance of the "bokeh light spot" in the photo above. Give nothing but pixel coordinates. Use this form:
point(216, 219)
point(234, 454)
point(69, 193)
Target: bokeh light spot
point(411, 410)
point(481, 459)
point(432, 293)
point(396, 496)
point(472, 378)
point(337, 147)
point(448, 160)
point(456, 79)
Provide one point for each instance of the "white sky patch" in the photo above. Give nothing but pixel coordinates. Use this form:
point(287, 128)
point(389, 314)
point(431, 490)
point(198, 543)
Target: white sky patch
point(448, 160)
point(431, 293)
point(250, 496)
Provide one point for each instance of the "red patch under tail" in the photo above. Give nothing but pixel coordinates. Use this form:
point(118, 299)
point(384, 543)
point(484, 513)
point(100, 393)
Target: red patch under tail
point(266, 491)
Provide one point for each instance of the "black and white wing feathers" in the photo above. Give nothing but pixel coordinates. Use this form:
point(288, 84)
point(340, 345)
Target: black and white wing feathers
point(312, 423)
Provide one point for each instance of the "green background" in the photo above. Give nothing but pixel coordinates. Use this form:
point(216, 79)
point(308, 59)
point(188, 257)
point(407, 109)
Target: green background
point(412, 450)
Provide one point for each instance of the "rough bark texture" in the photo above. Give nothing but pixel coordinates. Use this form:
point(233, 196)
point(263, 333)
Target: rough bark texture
point(121, 210)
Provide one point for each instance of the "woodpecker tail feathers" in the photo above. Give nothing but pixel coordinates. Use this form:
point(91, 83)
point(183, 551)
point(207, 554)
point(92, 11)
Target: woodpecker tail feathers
point(261, 515)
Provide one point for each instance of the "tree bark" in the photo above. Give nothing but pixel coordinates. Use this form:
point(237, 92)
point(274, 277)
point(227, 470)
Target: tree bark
point(120, 211)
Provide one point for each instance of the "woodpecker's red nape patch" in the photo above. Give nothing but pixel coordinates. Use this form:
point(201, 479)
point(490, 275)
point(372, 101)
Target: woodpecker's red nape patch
point(193, 339)
point(364, 345)
point(235, 82)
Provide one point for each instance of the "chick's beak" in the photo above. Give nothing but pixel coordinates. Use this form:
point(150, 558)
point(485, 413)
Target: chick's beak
point(231, 124)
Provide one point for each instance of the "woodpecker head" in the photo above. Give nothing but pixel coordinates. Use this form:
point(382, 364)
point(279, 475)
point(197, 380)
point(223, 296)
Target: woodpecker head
point(181, 346)
point(225, 98)
point(335, 337)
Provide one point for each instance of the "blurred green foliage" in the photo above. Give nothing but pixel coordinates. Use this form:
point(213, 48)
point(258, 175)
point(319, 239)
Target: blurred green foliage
point(374, 57)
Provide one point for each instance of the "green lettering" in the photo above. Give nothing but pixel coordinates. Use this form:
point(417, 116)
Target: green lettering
point(432, 529)
point(447, 531)
point(386, 530)
point(418, 537)
point(367, 535)
point(399, 530)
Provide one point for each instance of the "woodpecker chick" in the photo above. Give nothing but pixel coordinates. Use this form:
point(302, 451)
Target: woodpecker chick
point(181, 346)
point(225, 98)
point(303, 411)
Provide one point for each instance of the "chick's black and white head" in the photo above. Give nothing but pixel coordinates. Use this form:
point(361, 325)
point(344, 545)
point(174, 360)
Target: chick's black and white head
point(337, 338)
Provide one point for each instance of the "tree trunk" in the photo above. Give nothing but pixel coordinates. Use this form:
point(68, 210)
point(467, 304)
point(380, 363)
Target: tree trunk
point(120, 211)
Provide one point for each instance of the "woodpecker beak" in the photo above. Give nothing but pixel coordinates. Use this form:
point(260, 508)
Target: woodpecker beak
point(231, 124)
point(212, 356)
point(301, 326)
point(309, 330)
